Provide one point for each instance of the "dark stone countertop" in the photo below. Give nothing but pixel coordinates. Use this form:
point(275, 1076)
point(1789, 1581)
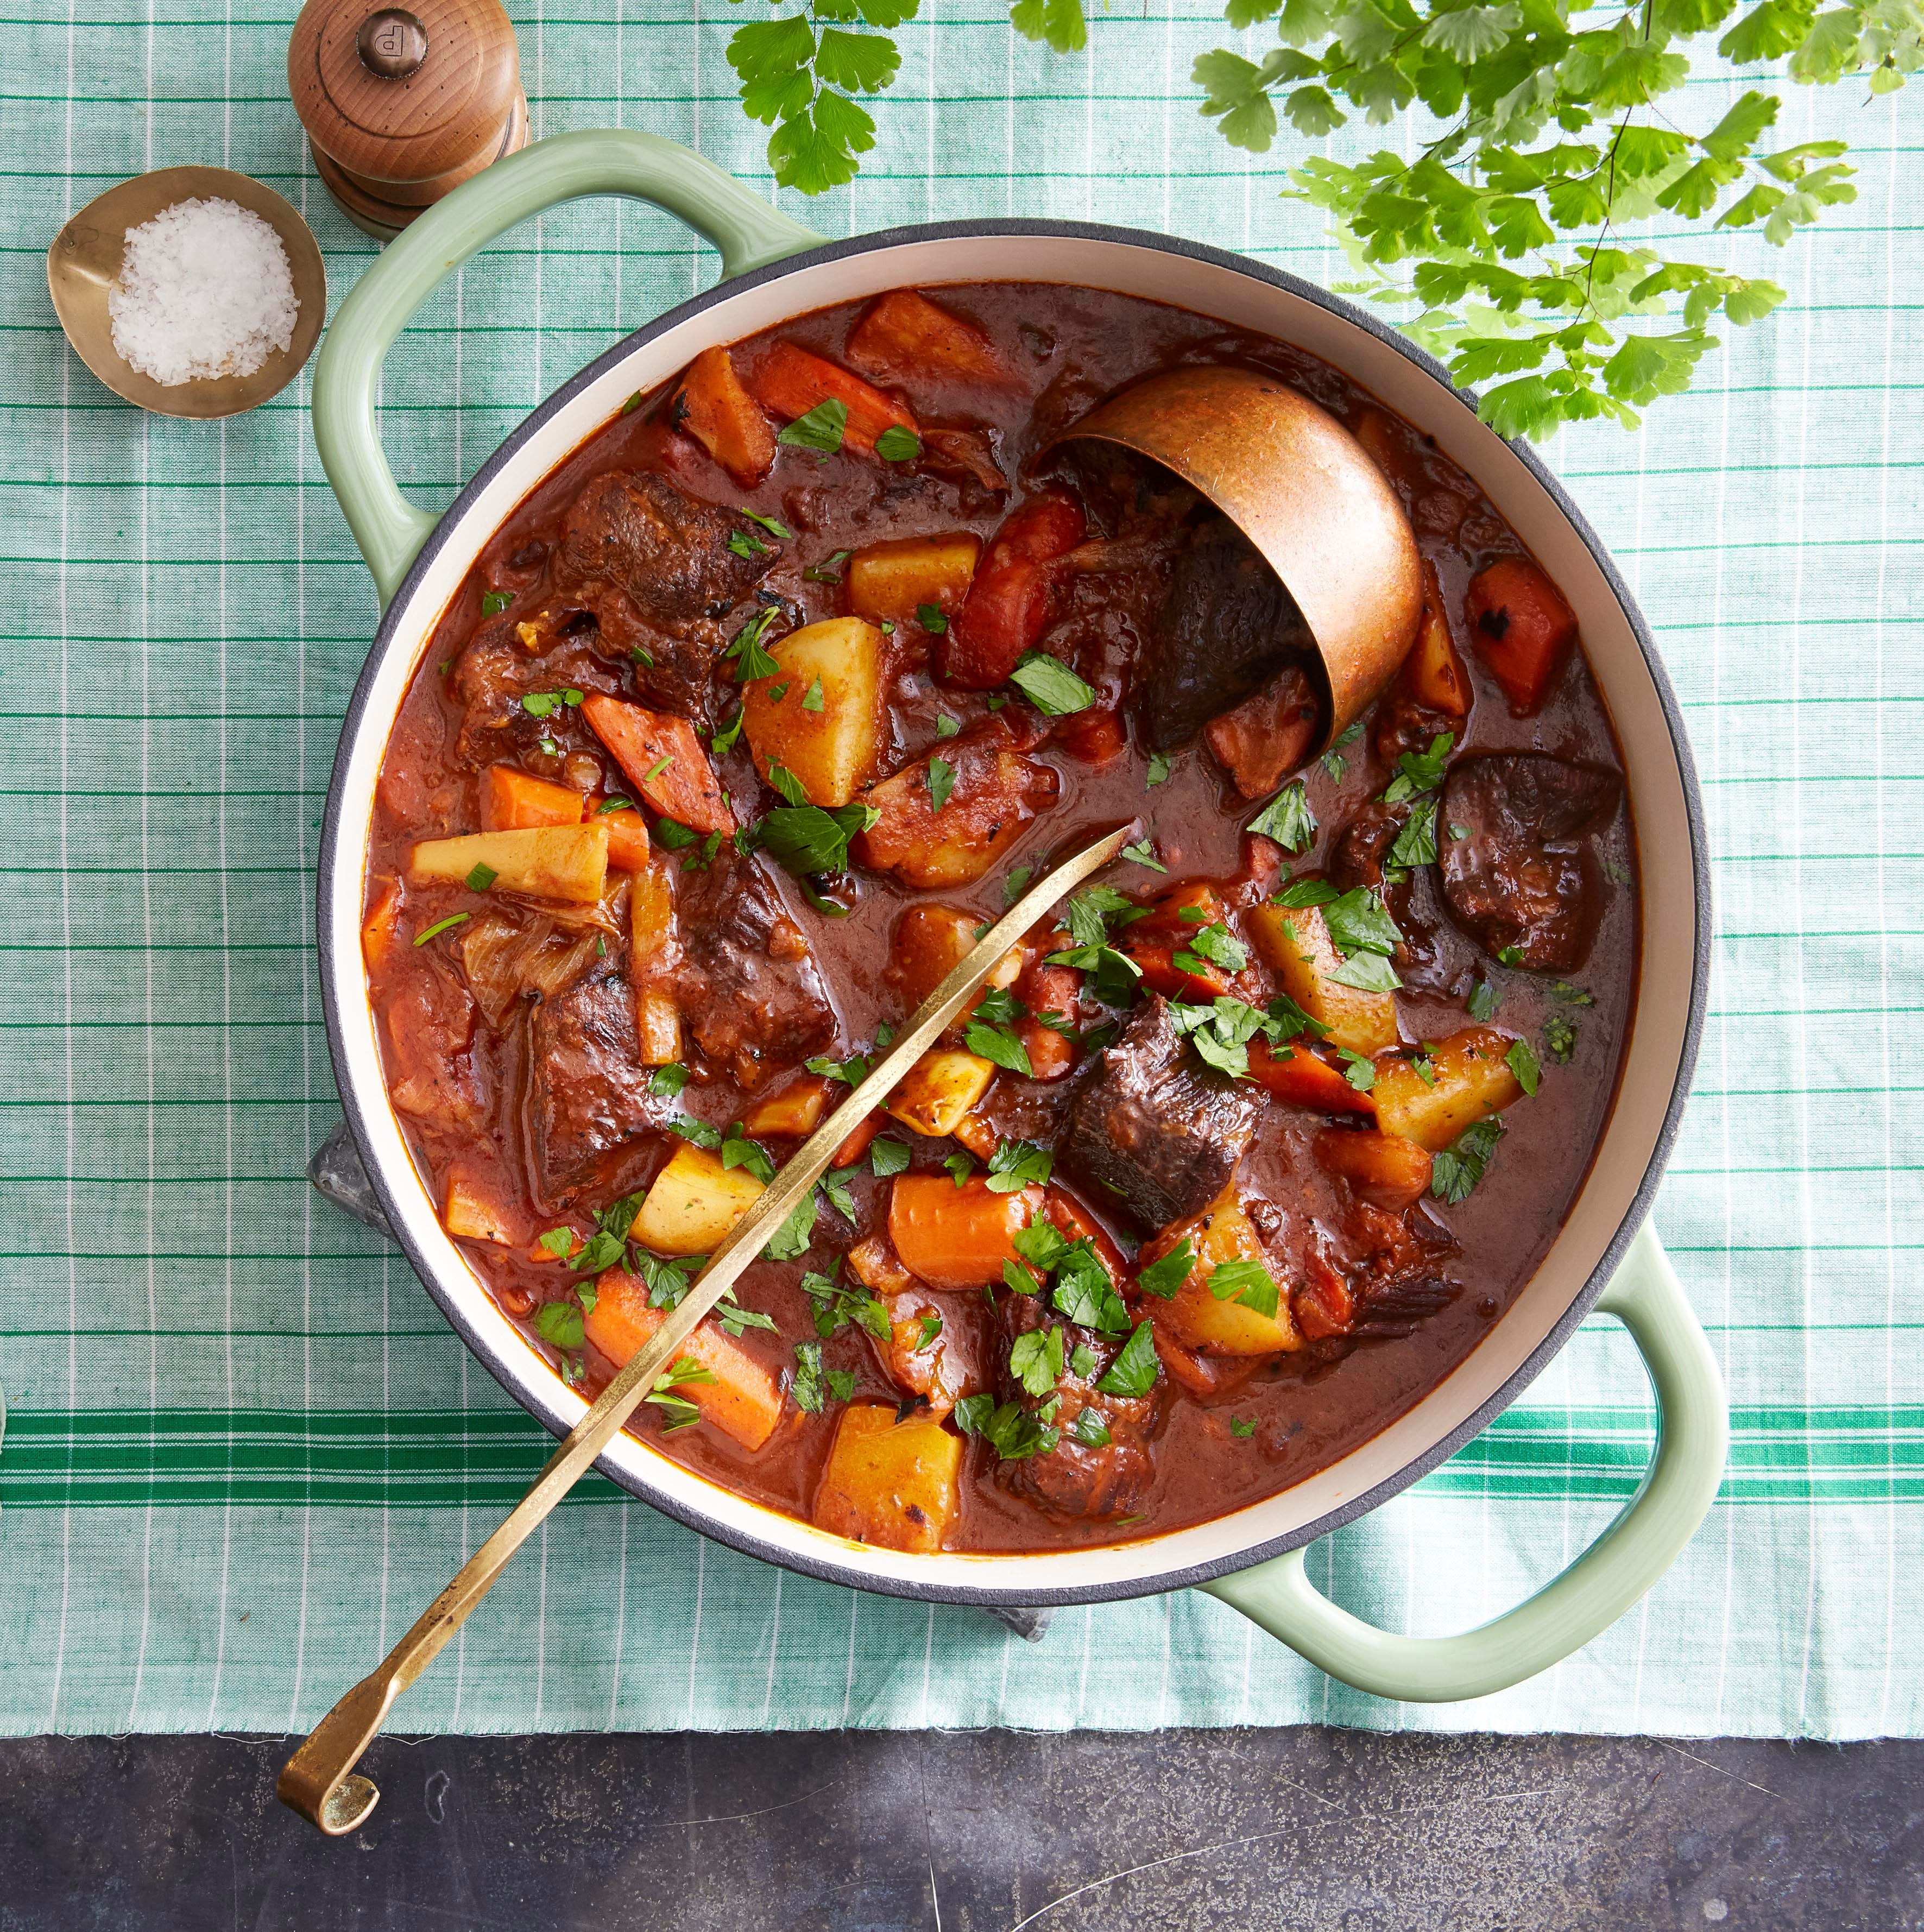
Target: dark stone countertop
point(984, 1831)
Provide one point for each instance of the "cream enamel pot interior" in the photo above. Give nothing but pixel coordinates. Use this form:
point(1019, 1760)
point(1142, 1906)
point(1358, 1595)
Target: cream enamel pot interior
point(773, 269)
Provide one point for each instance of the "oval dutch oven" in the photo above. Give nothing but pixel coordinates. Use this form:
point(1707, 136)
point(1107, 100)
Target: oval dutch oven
point(1604, 1260)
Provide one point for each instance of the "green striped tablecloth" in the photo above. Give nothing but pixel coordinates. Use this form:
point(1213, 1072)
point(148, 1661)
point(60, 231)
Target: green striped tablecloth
point(243, 1449)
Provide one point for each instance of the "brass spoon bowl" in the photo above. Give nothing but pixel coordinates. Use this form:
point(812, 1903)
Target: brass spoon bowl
point(1302, 489)
point(84, 262)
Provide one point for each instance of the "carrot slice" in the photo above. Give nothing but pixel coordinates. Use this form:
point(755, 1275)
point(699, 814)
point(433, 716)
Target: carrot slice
point(1304, 1079)
point(956, 1238)
point(712, 405)
point(512, 800)
point(1523, 627)
point(663, 760)
point(1013, 597)
point(790, 383)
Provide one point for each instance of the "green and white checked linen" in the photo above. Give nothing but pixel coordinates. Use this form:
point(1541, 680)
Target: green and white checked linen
point(243, 1448)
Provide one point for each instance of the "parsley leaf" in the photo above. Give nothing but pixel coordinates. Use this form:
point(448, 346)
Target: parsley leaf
point(558, 1324)
point(897, 445)
point(1248, 1281)
point(822, 426)
point(1416, 843)
point(1288, 819)
point(1243, 1427)
point(1050, 685)
point(1522, 1061)
point(699, 1132)
point(1089, 1428)
point(886, 1156)
point(1457, 1169)
point(828, 571)
point(1143, 852)
point(494, 602)
point(1016, 1165)
point(932, 619)
point(1160, 766)
point(751, 660)
point(1012, 1431)
point(959, 1167)
point(946, 727)
point(1559, 1038)
point(1035, 1360)
point(806, 839)
point(669, 1080)
point(1134, 1371)
point(813, 699)
point(1420, 771)
point(1164, 1279)
point(745, 544)
point(773, 525)
point(1358, 921)
point(1483, 1001)
point(941, 781)
point(999, 1045)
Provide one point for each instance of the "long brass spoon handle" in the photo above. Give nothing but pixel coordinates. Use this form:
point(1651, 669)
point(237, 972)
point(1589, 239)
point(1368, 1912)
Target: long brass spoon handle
point(319, 1781)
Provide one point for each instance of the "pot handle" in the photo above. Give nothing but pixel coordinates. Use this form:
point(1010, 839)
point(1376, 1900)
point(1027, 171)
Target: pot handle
point(389, 529)
point(1693, 1433)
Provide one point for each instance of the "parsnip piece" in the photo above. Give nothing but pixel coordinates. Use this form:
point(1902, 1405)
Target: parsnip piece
point(1222, 1232)
point(939, 1089)
point(470, 1214)
point(1296, 945)
point(888, 1483)
point(797, 1110)
point(833, 748)
point(1473, 1081)
point(694, 1201)
point(548, 862)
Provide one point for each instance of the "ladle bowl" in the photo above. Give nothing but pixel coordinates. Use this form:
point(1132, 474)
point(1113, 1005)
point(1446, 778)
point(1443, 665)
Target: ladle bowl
point(1304, 491)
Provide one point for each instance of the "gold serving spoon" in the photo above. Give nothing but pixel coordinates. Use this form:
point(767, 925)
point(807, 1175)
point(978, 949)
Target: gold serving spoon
point(319, 1781)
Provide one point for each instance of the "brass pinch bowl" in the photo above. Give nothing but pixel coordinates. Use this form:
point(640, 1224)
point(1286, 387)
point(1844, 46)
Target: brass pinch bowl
point(84, 262)
point(1305, 492)
point(319, 1781)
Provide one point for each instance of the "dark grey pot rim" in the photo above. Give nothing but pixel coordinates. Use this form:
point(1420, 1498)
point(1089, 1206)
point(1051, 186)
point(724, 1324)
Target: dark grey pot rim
point(550, 1414)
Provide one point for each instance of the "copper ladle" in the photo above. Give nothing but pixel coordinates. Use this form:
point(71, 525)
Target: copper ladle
point(319, 1781)
point(1300, 486)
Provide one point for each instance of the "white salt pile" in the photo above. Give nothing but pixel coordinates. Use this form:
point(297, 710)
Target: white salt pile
point(204, 290)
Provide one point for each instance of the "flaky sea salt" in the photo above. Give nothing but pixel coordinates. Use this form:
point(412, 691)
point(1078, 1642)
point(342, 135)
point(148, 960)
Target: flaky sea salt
point(204, 290)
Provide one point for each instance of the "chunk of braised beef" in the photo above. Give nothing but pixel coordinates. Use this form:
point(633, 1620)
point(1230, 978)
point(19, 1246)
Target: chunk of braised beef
point(587, 1093)
point(654, 566)
point(1519, 870)
point(749, 986)
point(1153, 1129)
point(1362, 848)
point(429, 1021)
point(1227, 628)
point(497, 669)
point(1078, 1478)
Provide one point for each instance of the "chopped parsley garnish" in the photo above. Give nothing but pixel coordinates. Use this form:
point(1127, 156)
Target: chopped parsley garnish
point(1221, 1032)
point(941, 781)
point(1457, 1169)
point(820, 428)
point(806, 839)
point(1571, 996)
point(835, 1303)
point(434, 931)
point(481, 877)
point(1333, 762)
point(1160, 766)
point(1299, 893)
point(999, 1045)
point(738, 1150)
point(1359, 1069)
point(1416, 843)
point(851, 1072)
point(1016, 1165)
point(1012, 1431)
point(1013, 886)
point(828, 571)
point(614, 805)
point(1143, 852)
point(1559, 1038)
point(1509, 955)
point(669, 1080)
point(1164, 1279)
point(886, 1156)
point(546, 704)
point(494, 602)
point(1289, 1020)
point(1483, 1001)
point(932, 618)
point(946, 727)
point(1213, 945)
point(699, 1132)
point(813, 698)
point(1134, 1371)
point(1082, 1360)
point(897, 445)
point(959, 1167)
point(814, 1385)
point(1522, 1061)
point(772, 525)
point(1050, 685)
point(723, 742)
point(1242, 1426)
point(1036, 1359)
point(784, 782)
point(776, 692)
point(558, 1324)
point(751, 660)
point(1089, 1428)
point(1247, 1282)
point(839, 1195)
point(633, 403)
point(643, 655)
point(1288, 819)
point(1420, 771)
point(1361, 930)
point(790, 1240)
point(745, 544)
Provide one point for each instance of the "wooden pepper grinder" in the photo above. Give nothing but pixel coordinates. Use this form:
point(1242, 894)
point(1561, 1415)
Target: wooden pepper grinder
point(400, 105)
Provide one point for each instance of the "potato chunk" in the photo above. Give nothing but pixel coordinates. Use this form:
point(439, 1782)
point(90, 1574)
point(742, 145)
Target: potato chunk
point(895, 578)
point(1222, 1233)
point(797, 1110)
point(826, 724)
point(1473, 1081)
point(694, 1202)
point(546, 861)
point(1296, 943)
point(744, 1400)
point(939, 1089)
point(889, 1482)
point(472, 1214)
